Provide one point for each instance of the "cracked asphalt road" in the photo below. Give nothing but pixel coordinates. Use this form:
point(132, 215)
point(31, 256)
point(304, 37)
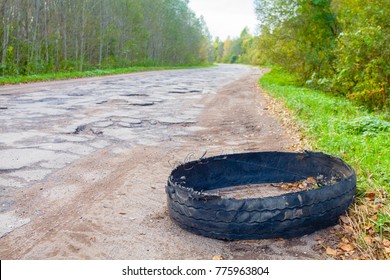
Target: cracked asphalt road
point(47, 126)
point(83, 163)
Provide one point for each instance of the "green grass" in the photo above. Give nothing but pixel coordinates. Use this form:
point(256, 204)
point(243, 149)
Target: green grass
point(334, 125)
point(93, 73)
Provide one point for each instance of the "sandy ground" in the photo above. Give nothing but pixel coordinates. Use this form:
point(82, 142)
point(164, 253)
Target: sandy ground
point(85, 178)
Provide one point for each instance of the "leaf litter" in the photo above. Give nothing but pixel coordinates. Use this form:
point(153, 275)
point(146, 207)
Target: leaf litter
point(266, 189)
point(360, 234)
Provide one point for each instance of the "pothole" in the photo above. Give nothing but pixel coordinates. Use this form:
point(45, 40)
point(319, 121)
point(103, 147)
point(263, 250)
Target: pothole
point(142, 104)
point(87, 129)
point(52, 101)
point(134, 94)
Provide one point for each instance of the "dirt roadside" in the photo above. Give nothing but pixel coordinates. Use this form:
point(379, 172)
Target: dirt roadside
point(112, 204)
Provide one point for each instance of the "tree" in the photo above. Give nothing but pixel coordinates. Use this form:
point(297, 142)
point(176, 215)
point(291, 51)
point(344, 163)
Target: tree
point(363, 54)
point(218, 46)
point(303, 33)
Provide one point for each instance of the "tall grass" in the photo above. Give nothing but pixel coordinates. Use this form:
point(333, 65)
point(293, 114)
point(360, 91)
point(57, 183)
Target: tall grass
point(334, 125)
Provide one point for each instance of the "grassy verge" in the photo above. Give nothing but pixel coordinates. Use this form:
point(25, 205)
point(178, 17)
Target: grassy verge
point(93, 73)
point(334, 125)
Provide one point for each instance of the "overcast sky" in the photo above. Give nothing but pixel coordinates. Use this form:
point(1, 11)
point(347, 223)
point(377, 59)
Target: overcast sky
point(226, 17)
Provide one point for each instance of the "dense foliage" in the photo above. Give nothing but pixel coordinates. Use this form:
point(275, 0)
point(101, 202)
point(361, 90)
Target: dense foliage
point(43, 36)
point(340, 46)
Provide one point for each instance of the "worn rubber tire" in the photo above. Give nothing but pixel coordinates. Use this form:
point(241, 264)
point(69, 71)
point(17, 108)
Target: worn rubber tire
point(288, 215)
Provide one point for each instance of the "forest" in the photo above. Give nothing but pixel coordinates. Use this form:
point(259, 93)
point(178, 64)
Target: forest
point(339, 46)
point(43, 36)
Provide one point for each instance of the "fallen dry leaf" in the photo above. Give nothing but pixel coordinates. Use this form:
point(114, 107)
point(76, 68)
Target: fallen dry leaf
point(345, 219)
point(386, 242)
point(369, 226)
point(345, 240)
point(368, 240)
point(331, 252)
point(378, 207)
point(346, 247)
point(378, 239)
point(370, 196)
point(379, 201)
point(348, 229)
point(311, 180)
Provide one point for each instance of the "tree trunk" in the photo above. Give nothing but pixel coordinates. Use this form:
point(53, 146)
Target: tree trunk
point(64, 12)
point(101, 43)
point(82, 39)
point(4, 45)
point(46, 23)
